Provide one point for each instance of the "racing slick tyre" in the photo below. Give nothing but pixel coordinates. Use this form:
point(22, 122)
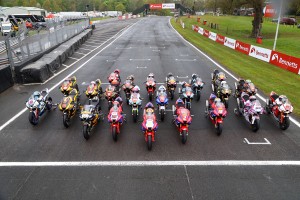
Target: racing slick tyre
point(86, 132)
point(184, 136)
point(285, 124)
point(219, 129)
point(149, 142)
point(66, 120)
point(135, 116)
point(150, 96)
point(255, 126)
point(114, 133)
point(32, 119)
point(172, 94)
point(162, 115)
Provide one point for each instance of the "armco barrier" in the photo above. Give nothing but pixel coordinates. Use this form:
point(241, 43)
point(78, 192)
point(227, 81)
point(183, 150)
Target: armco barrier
point(278, 59)
point(47, 65)
point(6, 80)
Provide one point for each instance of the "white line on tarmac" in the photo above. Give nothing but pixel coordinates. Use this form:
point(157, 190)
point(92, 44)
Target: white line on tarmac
point(156, 50)
point(111, 60)
point(157, 47)
point(209, 58)
point(89, 45)
point(55, 86)
point(153, 163)
point(142, 59)
point(141, 67)
point(267, 141)
point(65, 65)
point(73, 58)
point(182, 76)
point(186, 60)
point(80, 53)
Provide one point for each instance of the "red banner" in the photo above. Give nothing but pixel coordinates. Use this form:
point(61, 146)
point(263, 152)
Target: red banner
point(196, 28)
point(242, 47)
point(220, 39)
point(269, 11)
point(286, 62)
point(206, 33)
point(155, 6)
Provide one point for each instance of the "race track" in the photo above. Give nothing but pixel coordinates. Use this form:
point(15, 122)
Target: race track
point(143, 46)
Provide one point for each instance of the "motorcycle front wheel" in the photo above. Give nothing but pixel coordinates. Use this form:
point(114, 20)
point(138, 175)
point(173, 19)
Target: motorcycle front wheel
point(198, 96)
point(255, 126)
point(66, 120)
point(162, 114)
point(86, 132)
point(149, 142)
point(32, 119)
point(285, 124)
point(184, 136)
point(172, 94)
point(114, 133)
point(134, 114)
point(219, 129)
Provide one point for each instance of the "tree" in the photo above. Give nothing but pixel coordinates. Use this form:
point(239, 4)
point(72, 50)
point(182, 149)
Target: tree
point(47, 5)
point(120, 7)
point(32, 3)
point(258, 6)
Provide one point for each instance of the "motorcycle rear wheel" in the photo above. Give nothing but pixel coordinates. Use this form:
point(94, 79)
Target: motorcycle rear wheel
point(114, 133)
point(150, 96)
point(149, 142)
point(184, 136)
point(86, 132)
point(226, 103)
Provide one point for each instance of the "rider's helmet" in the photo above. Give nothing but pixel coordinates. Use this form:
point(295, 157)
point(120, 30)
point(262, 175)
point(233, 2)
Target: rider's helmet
point(162, 88)
point(149, 105)
point(98, 81)
point(252, 98)
point(282, 98)
point(151, 75)
point(248, 81)
point(36, 95)
point(217, 101)
point(130, 77)
point(119, 99)
point(221, 76)
point(73, 78)
point(223, 83)
point(179, 103)
point(93, 82)
point(117, 71)
point(212, 96)
point(194, 76)
point(136, 89)
point(116, 104)
point(170, 74)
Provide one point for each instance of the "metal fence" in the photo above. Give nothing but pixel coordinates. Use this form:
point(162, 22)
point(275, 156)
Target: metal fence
point(27, 45)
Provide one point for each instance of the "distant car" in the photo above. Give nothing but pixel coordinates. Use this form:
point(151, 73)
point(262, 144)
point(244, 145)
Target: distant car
point(288, 21)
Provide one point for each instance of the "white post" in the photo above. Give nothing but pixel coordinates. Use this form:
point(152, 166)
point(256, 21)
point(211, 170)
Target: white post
point(278, 22)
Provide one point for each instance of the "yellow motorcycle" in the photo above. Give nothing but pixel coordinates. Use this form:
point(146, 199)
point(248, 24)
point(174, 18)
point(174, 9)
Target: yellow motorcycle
point(68, 85)
point(93, 90)
point(69, 105)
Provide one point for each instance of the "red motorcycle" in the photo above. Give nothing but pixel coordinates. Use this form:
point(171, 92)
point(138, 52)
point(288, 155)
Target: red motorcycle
point(216, 111)
point(115, 118)
point(149, 125)
point(127, 87)
point(182, 120)
point(150, 86)
point(281, 108)
point(110, 95)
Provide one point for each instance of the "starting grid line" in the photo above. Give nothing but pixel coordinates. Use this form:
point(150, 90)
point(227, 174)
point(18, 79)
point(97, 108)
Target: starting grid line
point(153, 163)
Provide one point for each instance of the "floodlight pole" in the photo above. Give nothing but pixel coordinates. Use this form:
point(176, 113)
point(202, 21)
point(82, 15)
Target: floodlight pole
point(278, 22)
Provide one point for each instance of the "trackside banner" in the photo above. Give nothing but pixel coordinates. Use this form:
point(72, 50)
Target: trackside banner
point(281, 60)
point(155, 6)
point(260, 53)
point(168, 6)
point(286, 62)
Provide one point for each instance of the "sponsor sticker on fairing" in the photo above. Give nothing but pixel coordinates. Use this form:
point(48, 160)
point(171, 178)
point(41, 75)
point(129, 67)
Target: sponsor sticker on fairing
point(260, 53)
point(229, 43)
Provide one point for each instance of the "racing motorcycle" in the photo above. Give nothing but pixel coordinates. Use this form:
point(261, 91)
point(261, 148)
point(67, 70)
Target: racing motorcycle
point(110, 95)
point(115, 118)
point(171, 86)
point(162, 102)
point(69, 105)
point(90, 116)
point(279, 112)
point(252, 111)
point(37, 104)
point(182, 120)
point(245, 86)
point(149, 126)
point(224, 93)
point(197, 86)
point(216, 114)
point(187, 97)
point(150, 87)
point(135, 102)
point(93, 90)
point(68, 85)
point(127, 86)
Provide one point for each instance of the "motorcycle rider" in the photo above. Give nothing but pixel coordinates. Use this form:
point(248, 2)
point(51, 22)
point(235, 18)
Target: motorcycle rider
point(117, 107)
point(220, 77)
point(131, 78)
point(149, 113)
point(150, 77)
point(179, 106)
point(194, 77)
point(72, 82)
point(161, 91)
point(221, 86)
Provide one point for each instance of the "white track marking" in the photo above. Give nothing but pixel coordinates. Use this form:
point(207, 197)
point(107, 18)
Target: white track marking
point(80, 53)
point(140, 59)
point(157, 50)
point(267, 141)
point(89, 45)
point(89, 49)
point(55, 86)
point(111, 60)
point(218, 65)
point(186, 60)
point(65, 65)
point(73, 58)
point(182, 76)
point(153, 163)
point(141, 67)
point(188, 180)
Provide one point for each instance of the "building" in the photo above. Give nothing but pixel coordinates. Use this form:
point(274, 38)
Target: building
point(23, 10)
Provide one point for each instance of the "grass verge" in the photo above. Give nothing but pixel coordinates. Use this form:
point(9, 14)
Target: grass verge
point(99, 18)
point(265, 76)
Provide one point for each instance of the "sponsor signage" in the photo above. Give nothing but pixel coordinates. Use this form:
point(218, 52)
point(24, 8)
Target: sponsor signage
point(212, 36)
point(200, 30)
point(220, 39)
point(242, 47)
point(168, 6)
point(286, 62)
point(269, 11)
point(206, 33)
point(155, 6)
point(260, 53)
point(229, 43)
point(196, 28)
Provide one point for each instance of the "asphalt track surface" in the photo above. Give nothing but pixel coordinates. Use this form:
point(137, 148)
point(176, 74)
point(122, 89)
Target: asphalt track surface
point(49, 161)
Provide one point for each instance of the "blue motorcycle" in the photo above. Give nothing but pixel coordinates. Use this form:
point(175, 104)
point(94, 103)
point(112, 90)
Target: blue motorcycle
point(162, 102)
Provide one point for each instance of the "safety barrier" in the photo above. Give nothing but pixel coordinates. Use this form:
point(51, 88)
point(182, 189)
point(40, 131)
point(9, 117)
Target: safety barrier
point(278, 59)
point(6, 80)
point(46, 66)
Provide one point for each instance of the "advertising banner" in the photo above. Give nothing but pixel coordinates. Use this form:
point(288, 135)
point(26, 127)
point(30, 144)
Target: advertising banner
point(220, 39)
point(155, 6)
point(168, 6)
point(212, 36)
point(200, 30)
point(229, 43)
point(206, 33)
point(260, 53)
point(242, 47)
point(269, 11)
point(286, 62)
